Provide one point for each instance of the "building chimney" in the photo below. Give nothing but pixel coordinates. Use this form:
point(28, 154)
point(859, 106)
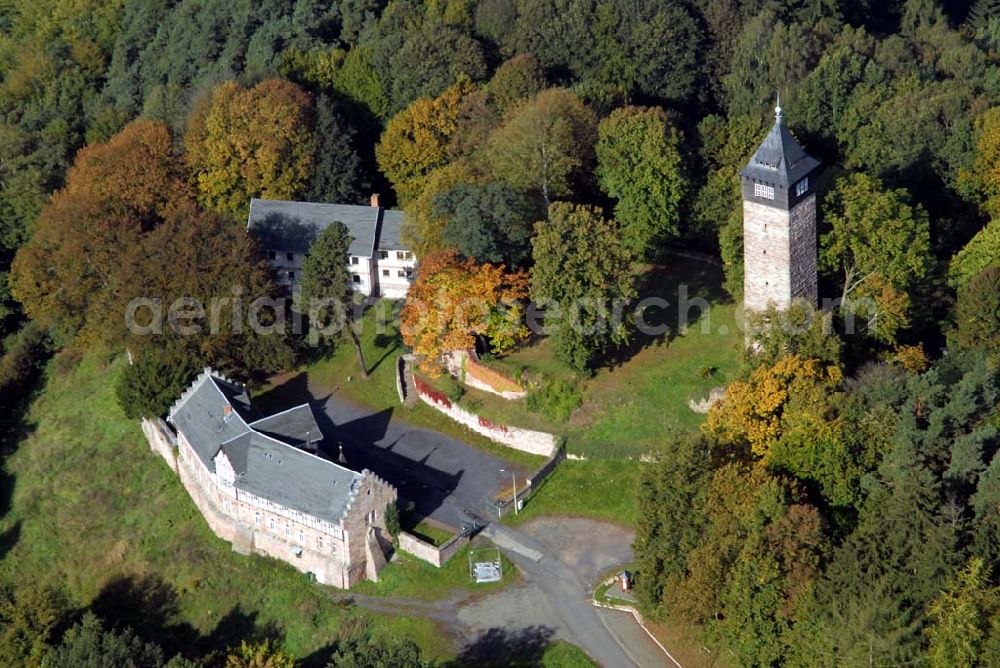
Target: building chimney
point(376, 202)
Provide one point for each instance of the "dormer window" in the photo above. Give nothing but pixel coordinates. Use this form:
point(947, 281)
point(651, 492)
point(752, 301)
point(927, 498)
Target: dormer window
point(762, 191)
point(801, 187)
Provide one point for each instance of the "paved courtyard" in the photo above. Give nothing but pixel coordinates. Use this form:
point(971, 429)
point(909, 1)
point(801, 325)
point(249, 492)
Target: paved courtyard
point(441, 475)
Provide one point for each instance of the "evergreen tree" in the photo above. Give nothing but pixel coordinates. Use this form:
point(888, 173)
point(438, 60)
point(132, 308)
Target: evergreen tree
point(327, 292)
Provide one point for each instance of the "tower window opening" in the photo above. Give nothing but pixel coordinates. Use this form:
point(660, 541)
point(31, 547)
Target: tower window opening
point(801, 187)
point(760, 190)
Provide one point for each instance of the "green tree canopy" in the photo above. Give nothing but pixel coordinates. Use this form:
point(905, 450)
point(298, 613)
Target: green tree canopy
point(326, 290)
point(545, 144)
point(583, 269)
point(977, 312)
point(881, 243)
point(489, 223)
point(982, 251)
point(639, 164)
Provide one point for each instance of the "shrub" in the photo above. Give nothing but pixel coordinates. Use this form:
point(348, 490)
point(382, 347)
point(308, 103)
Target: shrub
point(451, 388)
point(555, 399)
point(24, 355)
point(155, 380)
point(392, 520)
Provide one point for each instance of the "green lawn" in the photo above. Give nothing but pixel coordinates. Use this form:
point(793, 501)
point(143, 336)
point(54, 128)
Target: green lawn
point(382, 345)
point(95, 513)
point(602, 488)
point(410, 577)
point(639, 401)
point(564, 655)
point(431, 534)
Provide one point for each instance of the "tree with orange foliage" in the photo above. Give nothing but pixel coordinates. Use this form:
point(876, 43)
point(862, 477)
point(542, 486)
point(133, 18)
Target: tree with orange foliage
point(256, 142)
point(454, 300)
point(75, 265)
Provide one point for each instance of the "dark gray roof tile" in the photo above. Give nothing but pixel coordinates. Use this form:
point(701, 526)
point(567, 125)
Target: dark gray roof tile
point(284, 226)
point(211, 413)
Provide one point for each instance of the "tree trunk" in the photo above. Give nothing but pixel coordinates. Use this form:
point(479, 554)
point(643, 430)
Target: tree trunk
point(357, 350)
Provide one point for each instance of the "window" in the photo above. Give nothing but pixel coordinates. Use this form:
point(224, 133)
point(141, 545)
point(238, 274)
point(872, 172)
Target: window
point(291, 275)
point(760, 190)
point(319, 543)
point(256, 518)
point(273, 526)
point(409, 273)
point(401, 273)
point(399, 255)
point(801, 187)
point(288, 530)
point(290, 256)
point(356, 278)
point(408, 256)
point(302, 537)
point(354, 259)
point(383, 255)
point(271, 255)
point(385, 272)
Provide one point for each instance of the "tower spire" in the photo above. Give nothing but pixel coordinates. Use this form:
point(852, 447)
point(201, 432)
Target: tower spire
point(777, 108)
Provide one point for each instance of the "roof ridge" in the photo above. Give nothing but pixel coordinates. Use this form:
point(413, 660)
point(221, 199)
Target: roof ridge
point(304, 404)
point(188, 391)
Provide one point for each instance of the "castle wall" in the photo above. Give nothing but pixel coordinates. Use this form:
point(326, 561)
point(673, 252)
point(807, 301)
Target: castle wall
point(334, 553)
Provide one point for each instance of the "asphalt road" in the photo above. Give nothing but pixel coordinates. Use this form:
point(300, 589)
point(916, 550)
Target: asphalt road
point(441, 475)
point(567, 601)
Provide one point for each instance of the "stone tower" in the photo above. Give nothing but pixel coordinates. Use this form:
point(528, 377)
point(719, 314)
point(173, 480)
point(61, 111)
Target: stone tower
point(779, 222)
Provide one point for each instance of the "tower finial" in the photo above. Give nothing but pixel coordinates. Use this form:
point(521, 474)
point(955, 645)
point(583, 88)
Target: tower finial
point(777, 108)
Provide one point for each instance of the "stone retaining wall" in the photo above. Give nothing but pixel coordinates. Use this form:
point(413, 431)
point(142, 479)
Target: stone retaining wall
point(464, 366)
point(434, 555)
point(525, 440)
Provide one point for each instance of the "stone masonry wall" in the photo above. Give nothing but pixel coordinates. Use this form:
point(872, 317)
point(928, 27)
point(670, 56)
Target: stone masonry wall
point(803, 250)
point(766, 257)
point(526, 440)
point(779, 250)
point(161, 440)
point(434, 555)
point(466, 367)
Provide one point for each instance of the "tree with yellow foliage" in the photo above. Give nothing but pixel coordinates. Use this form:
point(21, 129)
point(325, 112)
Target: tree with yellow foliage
point(453, 301)
point(416, 140)
point(754, 412)
point(255, 142)
point(984, 176)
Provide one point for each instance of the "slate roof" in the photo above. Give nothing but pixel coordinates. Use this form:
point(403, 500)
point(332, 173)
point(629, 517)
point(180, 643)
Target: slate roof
point(391, 230)
point(779, 160)
point(295, 479)
point(296, 426)
point(266, 464)
point(283, 225)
